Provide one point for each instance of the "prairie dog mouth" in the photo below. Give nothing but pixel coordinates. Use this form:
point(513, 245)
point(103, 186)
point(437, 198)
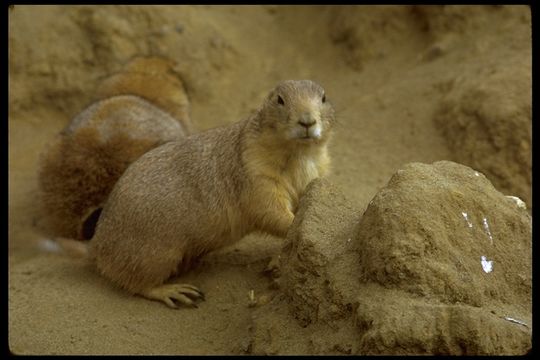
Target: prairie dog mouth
point(302, 133)
point(313, 132)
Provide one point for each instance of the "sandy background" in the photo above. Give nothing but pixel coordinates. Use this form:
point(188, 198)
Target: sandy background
point(410, 84)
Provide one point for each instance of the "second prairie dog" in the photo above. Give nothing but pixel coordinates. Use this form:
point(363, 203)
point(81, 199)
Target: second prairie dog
point(185, 198)
point(137, 109)
point(155, 80)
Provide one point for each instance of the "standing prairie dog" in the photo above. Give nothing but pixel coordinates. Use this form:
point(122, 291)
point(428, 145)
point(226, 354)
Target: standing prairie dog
point(185, 198)
point(139, 108)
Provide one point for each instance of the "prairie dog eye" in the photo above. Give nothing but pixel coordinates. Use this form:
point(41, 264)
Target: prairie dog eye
point(280, 100)
point(324, 98)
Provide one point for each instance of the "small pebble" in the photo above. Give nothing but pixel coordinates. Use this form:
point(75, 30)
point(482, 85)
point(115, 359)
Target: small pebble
point(263, 300)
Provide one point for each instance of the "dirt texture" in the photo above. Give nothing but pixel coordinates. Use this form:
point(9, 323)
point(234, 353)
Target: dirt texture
point(402, 274)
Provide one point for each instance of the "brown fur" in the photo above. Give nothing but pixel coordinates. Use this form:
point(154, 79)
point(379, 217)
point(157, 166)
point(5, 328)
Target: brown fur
point(155, 80)
point(77, 174)
point(80, 167)
point(185, 198)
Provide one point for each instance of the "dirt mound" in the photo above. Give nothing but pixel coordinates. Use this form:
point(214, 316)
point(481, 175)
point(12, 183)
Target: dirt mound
point(484, 113)
point(440, 263)
point(319, 256)
point(486, 119)
point(459, 250)
point(317, 276)
point(429, 229)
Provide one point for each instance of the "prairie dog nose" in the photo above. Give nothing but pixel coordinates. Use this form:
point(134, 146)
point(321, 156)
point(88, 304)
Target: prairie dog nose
point(306, 120)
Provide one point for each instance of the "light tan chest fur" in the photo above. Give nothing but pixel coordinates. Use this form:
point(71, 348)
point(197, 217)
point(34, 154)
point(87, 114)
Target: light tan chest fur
point(286, 171)
point(300, 171)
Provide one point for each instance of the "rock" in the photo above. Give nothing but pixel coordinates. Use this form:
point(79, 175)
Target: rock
point(319, 261)
point(432, 233)
point(263, 300)
point(313, 312)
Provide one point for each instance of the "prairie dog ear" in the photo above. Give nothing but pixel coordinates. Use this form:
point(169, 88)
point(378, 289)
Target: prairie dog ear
point(271, 95)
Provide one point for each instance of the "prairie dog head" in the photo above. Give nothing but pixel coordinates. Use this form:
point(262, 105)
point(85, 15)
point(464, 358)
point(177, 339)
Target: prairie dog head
point(298, 111)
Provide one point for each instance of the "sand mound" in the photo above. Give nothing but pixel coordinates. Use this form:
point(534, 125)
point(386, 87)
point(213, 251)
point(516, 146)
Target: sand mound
point(439, 263)
point(318, 284)
point(319, 256)
point(485, 111)
point(486, 119)
point(459, 251)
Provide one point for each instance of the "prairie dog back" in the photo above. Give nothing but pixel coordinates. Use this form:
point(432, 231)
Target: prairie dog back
point(174, 194)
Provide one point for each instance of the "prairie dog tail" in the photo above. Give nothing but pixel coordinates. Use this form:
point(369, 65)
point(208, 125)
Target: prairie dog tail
point(73, 248)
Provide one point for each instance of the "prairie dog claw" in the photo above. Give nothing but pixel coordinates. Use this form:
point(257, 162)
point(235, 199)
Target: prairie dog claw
point(184, 294)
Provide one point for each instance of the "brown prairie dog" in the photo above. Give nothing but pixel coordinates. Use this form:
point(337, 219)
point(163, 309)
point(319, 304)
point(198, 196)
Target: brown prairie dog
point(185, 198)
point(138, 109)
point(155, 80)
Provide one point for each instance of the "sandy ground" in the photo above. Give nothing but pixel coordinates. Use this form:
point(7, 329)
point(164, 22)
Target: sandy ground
point(386, 69)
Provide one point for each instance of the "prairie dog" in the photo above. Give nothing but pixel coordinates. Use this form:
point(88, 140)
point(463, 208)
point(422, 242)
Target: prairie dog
point(155, 80)
point(185, 198)
point(141, 107)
